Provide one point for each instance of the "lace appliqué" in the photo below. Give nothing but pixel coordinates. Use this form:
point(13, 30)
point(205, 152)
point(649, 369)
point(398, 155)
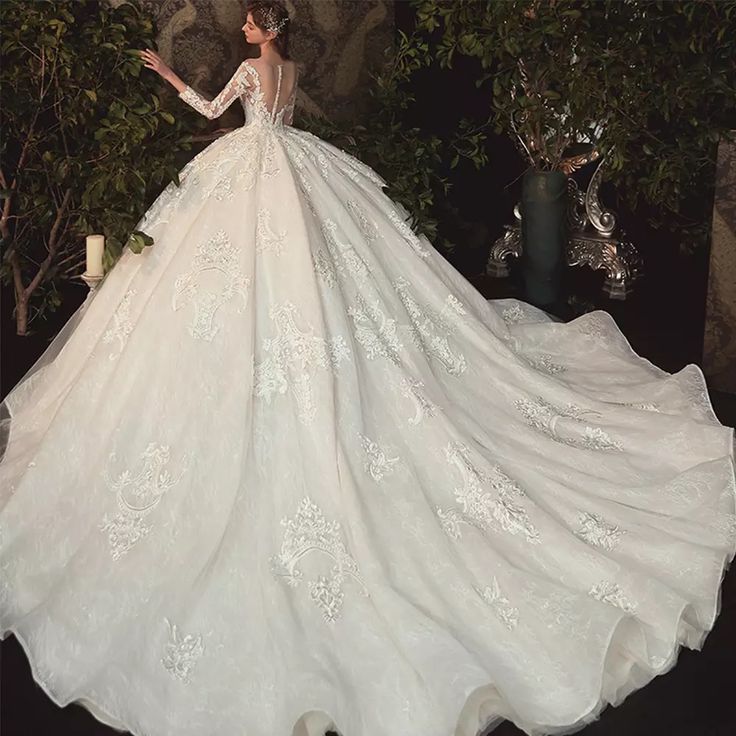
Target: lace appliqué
point(411, 388)
point(215, 254)
point(488, 508)
point(181, 653)
point(166, 204)
point(324, 267)
point(121, 326)
point(594, 326)
point(368, 228)
point(379, 464)
point(297, 154)
point(513, 314)
point(266, 238)
point(309, 531)
point(595, 530)
point(427, 324)
point(295, 350)
point(506, 613)
point(611, 593)
point(543, 415)
point(344, 257)
point(137, 496)
point(375, 332)
point(408, 234)
point(544, 364)
point(645, 405)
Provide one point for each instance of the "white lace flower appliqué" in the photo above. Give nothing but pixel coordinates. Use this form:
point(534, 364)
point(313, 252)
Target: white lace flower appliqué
point(121, 325)
point(266, 238)
point(430, 330)
point(293, 356)
point(612, 593)
point(544, 416)
point(413, 389)
point(181, 652)
point(375, 331)
point(309, 531)
point(378, 464)
point(596, 531)
point(137, 496)
point(489, 501)
point(345, 258)
point(214, 254)
point(491, 594)
point(513, 314)
point(408, 234)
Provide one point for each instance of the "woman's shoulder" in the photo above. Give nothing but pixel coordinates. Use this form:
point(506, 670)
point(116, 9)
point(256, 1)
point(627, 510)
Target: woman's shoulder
point(258, 63)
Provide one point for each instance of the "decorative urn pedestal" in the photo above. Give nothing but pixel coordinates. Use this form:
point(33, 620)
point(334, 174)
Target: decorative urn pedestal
point(593, 237)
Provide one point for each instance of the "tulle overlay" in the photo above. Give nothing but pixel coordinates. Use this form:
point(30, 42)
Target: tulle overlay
point(287, 468)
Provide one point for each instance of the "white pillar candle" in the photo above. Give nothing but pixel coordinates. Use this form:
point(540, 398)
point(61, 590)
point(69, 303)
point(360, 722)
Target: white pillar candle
point(95, 247)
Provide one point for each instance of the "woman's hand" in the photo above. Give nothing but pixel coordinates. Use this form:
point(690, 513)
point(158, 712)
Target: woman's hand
point(155, 62)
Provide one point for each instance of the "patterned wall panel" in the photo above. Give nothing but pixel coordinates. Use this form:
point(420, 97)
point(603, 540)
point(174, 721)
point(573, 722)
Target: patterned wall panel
point(719, 347)
point(335, 43)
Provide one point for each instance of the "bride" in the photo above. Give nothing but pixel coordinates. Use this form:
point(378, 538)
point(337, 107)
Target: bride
point(287, 470)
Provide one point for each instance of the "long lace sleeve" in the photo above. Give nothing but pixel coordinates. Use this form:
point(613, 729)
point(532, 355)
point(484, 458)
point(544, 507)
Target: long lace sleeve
point(211, 109)
point(288, 118)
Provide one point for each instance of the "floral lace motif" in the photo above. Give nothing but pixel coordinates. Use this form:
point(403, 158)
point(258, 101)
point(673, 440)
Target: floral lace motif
point(544, 364)
point(611, 593)
point(309, 531)
point(368, 228)
point(513, 314)
point(427, 324)
point(121, 326)
point(645, 405)
point(544, 416)
point(409, 235)
point(376, 332)
point(296, 351)
point(266, 238)
point(411, 388)
point(491, 594)
point(215, 254)
point(488, 501)
point(137, 496)
point(595, 530)
point(324, 267)
point(181, 653)
point(379, 464)
point(345, 258)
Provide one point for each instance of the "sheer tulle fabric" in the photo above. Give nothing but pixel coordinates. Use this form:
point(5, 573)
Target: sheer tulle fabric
point(288, 469)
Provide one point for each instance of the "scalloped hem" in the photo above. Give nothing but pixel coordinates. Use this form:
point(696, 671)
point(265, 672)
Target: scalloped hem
point(484, 707)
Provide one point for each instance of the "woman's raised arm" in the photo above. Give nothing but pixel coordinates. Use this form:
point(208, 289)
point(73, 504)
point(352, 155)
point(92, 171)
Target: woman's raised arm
point(211, 109)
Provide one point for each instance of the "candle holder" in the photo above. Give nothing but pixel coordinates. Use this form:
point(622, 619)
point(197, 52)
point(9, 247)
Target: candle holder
point(93, 281)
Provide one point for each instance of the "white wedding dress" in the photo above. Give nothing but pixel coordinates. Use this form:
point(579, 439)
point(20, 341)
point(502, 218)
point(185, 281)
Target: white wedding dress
point(287, 469)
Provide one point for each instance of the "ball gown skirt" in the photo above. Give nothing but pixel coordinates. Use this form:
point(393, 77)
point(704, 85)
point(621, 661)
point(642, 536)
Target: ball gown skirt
point(288, 469)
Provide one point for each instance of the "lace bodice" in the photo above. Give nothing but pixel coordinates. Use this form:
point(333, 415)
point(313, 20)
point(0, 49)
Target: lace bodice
point(267, 93)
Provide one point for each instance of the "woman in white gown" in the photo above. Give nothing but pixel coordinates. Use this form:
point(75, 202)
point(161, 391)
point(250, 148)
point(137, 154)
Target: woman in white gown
point(287, 469)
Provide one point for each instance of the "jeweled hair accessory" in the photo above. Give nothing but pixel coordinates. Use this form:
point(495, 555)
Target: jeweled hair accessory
point(270, 21)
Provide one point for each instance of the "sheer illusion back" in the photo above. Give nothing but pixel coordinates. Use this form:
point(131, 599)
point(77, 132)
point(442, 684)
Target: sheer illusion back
point(274, 87)
point(267, 93)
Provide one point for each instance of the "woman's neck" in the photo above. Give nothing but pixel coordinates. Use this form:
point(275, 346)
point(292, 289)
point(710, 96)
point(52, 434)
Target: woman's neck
point(270, 57)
